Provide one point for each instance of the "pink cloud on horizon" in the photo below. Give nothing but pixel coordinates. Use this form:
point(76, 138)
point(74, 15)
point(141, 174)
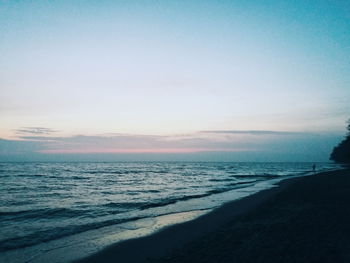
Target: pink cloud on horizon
point(166, 150)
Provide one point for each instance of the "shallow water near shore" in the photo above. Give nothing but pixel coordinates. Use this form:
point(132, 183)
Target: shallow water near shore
point(64, 211)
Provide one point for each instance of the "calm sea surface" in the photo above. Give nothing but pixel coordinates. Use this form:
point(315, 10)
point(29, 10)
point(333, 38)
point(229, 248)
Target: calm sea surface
point(40, 202)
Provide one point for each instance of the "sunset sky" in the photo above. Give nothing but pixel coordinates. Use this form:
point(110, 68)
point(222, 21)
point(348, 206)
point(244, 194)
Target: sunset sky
point(230, 80)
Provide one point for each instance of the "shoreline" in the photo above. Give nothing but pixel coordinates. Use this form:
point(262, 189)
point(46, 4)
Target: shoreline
point(111, 243)
point(85, 244)
point(172, 238)
point(308, 221)
point(81, 245)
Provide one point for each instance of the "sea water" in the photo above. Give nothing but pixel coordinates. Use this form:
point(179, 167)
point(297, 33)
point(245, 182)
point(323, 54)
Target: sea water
point(49, 205)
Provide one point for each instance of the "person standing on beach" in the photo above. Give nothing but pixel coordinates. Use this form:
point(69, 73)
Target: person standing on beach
point(314, 167)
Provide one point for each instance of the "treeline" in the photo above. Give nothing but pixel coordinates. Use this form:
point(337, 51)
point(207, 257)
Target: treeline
point(341, 153)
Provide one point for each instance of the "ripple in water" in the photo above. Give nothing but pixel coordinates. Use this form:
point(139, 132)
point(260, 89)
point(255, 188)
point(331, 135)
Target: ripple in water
point(46, 201)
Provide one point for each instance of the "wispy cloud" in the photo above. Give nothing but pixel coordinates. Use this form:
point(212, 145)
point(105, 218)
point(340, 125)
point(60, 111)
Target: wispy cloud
point(252, 132)
point(35, 130)
point(128, 143)
point(136, 143)
point(213, 140)
point(266, 143)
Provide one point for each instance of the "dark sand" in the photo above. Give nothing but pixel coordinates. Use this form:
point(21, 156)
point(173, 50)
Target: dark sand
point(306, 219)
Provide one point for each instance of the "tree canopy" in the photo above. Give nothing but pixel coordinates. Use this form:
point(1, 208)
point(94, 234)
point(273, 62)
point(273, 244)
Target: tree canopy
point(341, 153)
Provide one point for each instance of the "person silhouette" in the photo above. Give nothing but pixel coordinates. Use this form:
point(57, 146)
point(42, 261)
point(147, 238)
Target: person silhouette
point(314, 167)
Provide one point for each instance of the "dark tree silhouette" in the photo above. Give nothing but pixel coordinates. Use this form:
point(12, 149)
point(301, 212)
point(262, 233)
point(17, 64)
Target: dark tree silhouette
point(341, 153)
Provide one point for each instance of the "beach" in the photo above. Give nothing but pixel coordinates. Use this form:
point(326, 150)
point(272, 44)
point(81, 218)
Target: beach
point(61, 212)
point(305, 219)
point(174, 131)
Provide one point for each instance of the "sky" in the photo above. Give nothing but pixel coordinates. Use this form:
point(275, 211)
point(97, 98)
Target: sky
point(193, 80)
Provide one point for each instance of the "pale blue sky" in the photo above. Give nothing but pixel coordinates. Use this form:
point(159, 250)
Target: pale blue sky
point(164, 68)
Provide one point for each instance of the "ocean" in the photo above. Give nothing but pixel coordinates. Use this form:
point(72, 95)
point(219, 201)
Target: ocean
point(45, 207)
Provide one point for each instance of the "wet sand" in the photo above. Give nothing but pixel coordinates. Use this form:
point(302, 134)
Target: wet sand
point(305, 219)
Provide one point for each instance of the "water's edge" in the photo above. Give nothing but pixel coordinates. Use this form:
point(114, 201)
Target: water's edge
point(148, 219)
point(75, 247)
